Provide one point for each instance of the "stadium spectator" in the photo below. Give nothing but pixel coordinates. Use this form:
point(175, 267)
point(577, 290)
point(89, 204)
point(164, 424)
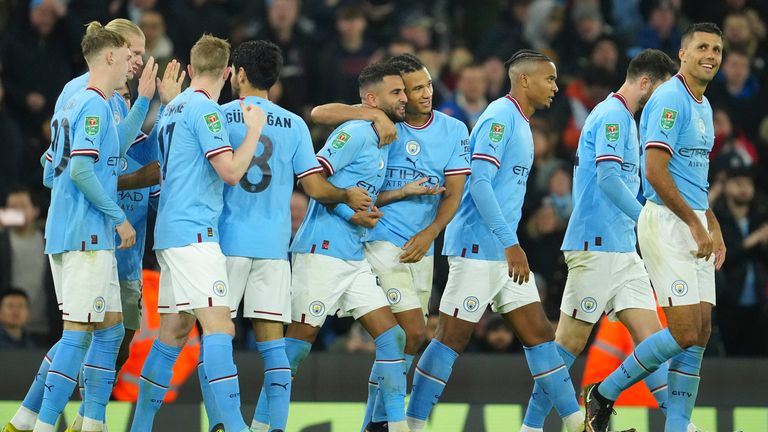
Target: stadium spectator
point(469, 99)
point(12, 146)
point(14, 311)
point(416, 29)
point(660, 29)
point(505, 37)
point(606, 54)
point(158, 44)
point(738, 91)
point(545, 160)
point(588, 26)
point(741, 283)
point(494, 337)
point(730, 140)
point(544, 26)
point(498, 84)
point(24, 264)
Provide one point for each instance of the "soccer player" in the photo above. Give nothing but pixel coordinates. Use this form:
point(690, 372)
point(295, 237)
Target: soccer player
point(487, 263)
point(677, 233)
point(255, 224)
point(330, 273)
point(79, 231)
point(429, 157)
point(599, 243)
point(196, 159)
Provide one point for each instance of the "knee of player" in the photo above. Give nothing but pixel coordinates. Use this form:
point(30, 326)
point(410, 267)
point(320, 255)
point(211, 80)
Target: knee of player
point(704, 334)
point(574, 345)
point(414, 339)
point(687, 337)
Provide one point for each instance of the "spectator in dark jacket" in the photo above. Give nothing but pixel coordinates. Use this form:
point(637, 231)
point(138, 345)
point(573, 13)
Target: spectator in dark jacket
point(14, 310)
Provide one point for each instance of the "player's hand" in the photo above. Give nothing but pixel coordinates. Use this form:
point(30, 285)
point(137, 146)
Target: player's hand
point(718, 247)
point(170, 86)
point(358, 199)
point(703, 240)
point(147, 79)
point(517, 262)
point(367, 218)
point(385, 128)
point(253, 116)
point(127, 235)
point(417, 188)
point(417, 246)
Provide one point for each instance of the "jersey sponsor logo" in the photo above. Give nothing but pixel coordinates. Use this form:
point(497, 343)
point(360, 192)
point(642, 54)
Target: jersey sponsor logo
point(668, 118)
point(317, 308)
point(123, 164)
point(394, 296)
point(471, 303)
point(679, 288)
point(589, 304)
point(99, 304)
point(213, 122)
point(612, 132)
point(341, 140)
point(497, 132)
point(92, 125)
point(220, 288)
point(413, 148)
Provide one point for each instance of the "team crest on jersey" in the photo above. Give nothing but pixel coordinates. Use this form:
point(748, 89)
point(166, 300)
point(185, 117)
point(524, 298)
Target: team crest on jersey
point(92, 124)
point(340, 140)
point(612, 132)
point(702, 126)
point(679, 288)
point(381, 164)
point(412, 147)
point(589, 304)
point(220, 288)
point(317, 308)
point(497, 132)
point(394, 296)
point(99, 304)
point(123, 164)
point(213, 122)
point(117, 116)
point(471, 303)
point(668, 118)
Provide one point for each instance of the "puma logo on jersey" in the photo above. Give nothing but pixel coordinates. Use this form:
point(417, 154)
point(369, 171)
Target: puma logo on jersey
point(284, 386)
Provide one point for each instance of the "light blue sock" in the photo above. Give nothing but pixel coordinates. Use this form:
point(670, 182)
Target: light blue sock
point(683, 388)
point(209, 400)
point(646, 358)
point(277, 381)
point(657, 384)
point(379, 411)
point(155, 378)
point(296, 350)
point(429, 380)
point(62, 374)
point(99, 370)
point(81, 382)
point(222, 375)
point(34, 397)
point(373, 401)
point(539, 404)
point(390, 371)
point(549, 371)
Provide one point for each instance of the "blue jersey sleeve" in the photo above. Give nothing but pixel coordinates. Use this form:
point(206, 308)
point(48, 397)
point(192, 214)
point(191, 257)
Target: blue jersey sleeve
point(340, 150)
point(666, 117)
point(491, 138)
point(304, 161)
point(611, 137)
point(459, 161)
point(90, 128)
point(130, 127)
point(481, 190)
point(209, 128)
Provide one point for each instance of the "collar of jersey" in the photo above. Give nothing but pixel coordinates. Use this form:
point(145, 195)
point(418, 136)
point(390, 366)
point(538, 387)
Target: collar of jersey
point(97, 90)
point(623, 102)
point(685, 84)
point(519, 108)
point(424, 126)
point(202, 91)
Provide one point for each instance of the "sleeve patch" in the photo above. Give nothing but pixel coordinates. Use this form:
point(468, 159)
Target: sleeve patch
point(497, 132)
point(213, 122)
point(92, 125)
point(341, 140)
point(668, 118)
point(612, 131)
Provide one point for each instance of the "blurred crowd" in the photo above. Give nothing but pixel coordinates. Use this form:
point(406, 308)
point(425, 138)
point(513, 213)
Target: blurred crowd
point(464, 43)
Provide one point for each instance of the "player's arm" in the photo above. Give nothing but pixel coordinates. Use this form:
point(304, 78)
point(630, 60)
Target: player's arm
point(609, 181)
point(321, 190)
point(146, 176)
point(334, 114)
point(130, 127)
point(718, 244)
point(414, 188)
point(232, 165)
point(657, 173)
point(610, 141)
point(46, 160)
point(418, 245)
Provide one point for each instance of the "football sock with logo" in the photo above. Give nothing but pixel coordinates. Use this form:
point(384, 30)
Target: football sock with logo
point(373, 402)
point(390, 374)
point(209, 400)
point(296, 351)
point(550, 372)
point(657, 384)
point(539, 404)
point(26, 415)
point(62, 376)
point(646, 358)
point(222, 375)
point(379, 411)
point(277, 381)
point(683, 388)
point(429, 380)
point(99, 373)
point(155, 379)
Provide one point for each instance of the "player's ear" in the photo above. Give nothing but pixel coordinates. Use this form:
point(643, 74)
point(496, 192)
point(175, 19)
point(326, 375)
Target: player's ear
point(190, 71)
point(227, 71)
point(681, 55)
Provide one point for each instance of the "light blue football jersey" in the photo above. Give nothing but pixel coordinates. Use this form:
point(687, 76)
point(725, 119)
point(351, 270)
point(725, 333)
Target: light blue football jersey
point(256, 221)
point(502, 137)
point(135, 204)
point(437, 149)
point(609, 135)
point(675, 121)
point(191, 131)
point(83, 127)
point(352, 157)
